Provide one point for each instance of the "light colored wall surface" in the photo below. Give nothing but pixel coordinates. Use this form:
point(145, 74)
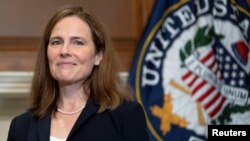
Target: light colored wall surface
point(4, 128)
point(9, 108)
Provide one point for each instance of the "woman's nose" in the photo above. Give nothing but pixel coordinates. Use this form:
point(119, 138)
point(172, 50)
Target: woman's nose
point(65, 50)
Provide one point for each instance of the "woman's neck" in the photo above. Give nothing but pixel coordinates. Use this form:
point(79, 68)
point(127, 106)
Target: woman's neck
point(72, 98)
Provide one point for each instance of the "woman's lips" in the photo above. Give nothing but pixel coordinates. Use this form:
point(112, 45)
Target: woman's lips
point(65, 64)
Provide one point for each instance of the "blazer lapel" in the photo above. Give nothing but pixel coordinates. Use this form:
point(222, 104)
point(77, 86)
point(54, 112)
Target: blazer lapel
point(43, 128)
point(89, 110)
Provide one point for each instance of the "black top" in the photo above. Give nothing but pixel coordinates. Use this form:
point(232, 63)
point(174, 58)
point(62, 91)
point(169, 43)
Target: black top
point(125, 123)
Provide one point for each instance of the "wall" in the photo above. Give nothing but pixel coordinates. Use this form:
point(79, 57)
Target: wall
point(22, 23)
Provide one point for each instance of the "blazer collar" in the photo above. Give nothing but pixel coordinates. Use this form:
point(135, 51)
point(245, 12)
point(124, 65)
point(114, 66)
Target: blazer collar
point(89, 110)
point(43, 127)
point(44, 124)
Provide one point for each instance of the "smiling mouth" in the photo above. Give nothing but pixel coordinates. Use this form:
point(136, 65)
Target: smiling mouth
point(66, 64)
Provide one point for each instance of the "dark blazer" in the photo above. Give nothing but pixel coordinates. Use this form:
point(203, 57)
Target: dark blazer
point(126, 123)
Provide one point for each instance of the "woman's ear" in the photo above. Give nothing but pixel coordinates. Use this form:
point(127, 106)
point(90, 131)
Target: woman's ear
point(98, 58)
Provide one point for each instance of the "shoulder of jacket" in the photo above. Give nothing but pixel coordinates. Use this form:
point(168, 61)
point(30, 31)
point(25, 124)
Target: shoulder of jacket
point(126, 107)
point(23, 117)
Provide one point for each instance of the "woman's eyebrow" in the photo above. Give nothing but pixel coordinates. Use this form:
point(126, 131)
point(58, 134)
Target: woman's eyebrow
point(55, 37)
point(76, 37)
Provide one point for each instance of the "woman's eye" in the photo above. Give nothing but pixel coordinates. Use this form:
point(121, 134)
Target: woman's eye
point(77, 42)
point(56, 42)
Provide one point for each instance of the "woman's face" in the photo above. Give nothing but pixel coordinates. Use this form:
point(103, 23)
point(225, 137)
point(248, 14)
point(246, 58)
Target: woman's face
point(71, 51)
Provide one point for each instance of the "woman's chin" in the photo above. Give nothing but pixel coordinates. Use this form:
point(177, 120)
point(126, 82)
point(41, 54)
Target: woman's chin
point(65, 80)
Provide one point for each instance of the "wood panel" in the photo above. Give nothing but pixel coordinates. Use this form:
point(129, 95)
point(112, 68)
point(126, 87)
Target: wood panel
point(125, 49)
point(28, 18)
point(23, 22)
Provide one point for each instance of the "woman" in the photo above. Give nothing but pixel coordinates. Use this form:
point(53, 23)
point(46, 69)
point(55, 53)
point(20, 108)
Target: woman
point(76, 91)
